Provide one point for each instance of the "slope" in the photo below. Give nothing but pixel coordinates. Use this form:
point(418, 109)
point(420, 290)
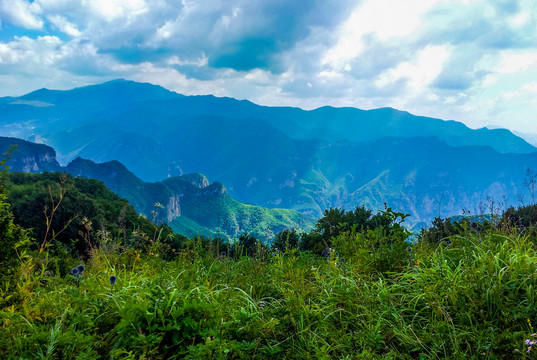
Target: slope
point(188, 203)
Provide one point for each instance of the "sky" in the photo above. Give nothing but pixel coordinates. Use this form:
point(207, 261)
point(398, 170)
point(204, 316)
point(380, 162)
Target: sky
point(473, 61)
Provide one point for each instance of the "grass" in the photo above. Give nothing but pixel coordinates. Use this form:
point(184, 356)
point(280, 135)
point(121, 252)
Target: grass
point(471, 298)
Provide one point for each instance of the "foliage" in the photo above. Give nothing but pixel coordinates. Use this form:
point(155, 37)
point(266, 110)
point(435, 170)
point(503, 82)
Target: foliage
point(373, 296)
point(442, 229)
point(338, 221)
point(286, 240)
point(521, 220)
point(248, 245)
point(11, 236)
point(88, 213)
point(470, 298)
point(525, 216)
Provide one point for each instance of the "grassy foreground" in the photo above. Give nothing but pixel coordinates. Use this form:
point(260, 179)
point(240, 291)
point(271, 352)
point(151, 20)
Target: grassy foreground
point(470, 296)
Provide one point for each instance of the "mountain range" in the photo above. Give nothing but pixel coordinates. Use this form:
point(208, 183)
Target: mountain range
point(188, 203)
point(280, 157)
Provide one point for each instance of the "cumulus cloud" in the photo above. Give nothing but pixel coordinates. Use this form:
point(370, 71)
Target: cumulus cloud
point(21, 13)
point(64, 25)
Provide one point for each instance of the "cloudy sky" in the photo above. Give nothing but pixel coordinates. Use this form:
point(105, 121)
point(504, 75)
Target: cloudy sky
point(469, 60)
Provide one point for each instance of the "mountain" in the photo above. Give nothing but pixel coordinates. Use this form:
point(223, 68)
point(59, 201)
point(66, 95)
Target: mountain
point(188, 203)
point(530, 138)
point(279, 156)
point(29, 157)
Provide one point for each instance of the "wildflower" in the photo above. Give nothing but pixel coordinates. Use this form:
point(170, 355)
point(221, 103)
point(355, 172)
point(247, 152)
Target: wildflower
point(74, 271)
point(81, 268)
point(473, 224)
point(409, 249)
point(533, 335)
point(478, 229)
point(223, 254)
point(527, 342)
point(112, 280)
point(261, 305)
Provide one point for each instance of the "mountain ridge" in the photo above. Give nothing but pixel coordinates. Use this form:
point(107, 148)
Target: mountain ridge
point(181, 201)
point(283, 157)
point(126, 91)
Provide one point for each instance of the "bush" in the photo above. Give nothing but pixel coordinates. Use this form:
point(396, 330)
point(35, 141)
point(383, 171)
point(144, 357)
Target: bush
point(286, 240)
point(11, 235)
point(336, 222)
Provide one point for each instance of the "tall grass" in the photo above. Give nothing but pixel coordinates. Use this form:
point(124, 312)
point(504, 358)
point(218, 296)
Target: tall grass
point(470, 297)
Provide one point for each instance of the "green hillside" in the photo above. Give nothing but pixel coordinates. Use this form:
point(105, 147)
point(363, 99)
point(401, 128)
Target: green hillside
point(190, 205)
point(187, 203)
point(81, 212)
point(278, 157)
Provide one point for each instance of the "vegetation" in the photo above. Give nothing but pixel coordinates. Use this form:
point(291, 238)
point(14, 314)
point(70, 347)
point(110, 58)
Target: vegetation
point(10, 234)
point(354, 287)
point(76, 215)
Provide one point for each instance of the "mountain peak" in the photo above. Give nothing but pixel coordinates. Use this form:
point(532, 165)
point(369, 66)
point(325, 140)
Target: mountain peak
point(196, 179)
point(217, 189)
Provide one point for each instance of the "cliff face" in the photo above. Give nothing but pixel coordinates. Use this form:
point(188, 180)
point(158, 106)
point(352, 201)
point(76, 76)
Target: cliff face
point(198, 180)
point(29, 157)
point(216, 188)
point(174, 207)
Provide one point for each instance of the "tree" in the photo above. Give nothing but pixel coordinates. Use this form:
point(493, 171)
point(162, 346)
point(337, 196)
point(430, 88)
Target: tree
point(247, 245)
point(287, 239)
point(337, 221)
point(10, 234)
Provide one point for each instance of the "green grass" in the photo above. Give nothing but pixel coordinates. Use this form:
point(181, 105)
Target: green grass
point(472, 298)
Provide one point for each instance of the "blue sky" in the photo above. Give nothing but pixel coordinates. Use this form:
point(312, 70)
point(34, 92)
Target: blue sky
point(469, 60)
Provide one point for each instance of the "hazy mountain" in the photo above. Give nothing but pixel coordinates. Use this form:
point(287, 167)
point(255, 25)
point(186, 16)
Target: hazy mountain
point(530, 138)
point(29, 157)
point(280, 157)
point(188, 203)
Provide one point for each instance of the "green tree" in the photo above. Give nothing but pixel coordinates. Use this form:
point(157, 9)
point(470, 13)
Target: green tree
point(247, 245)
point(337, 221)
point(89, 212)
point(10, 234)
point(287, 239)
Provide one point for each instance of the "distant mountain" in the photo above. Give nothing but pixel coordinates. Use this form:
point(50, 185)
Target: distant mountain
point(279, 157)
point(29, 157)
point(530, 138)
point(188, 203)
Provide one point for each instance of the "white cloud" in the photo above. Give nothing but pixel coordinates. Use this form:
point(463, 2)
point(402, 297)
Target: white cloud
point(27, 53)
point(203, 60)
point(64, 26)
point(113, 9)
point(520, 19)
point(516, 61)
point(420, 73)
point(21, 13)
point(469, 60)
point(383, 19)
